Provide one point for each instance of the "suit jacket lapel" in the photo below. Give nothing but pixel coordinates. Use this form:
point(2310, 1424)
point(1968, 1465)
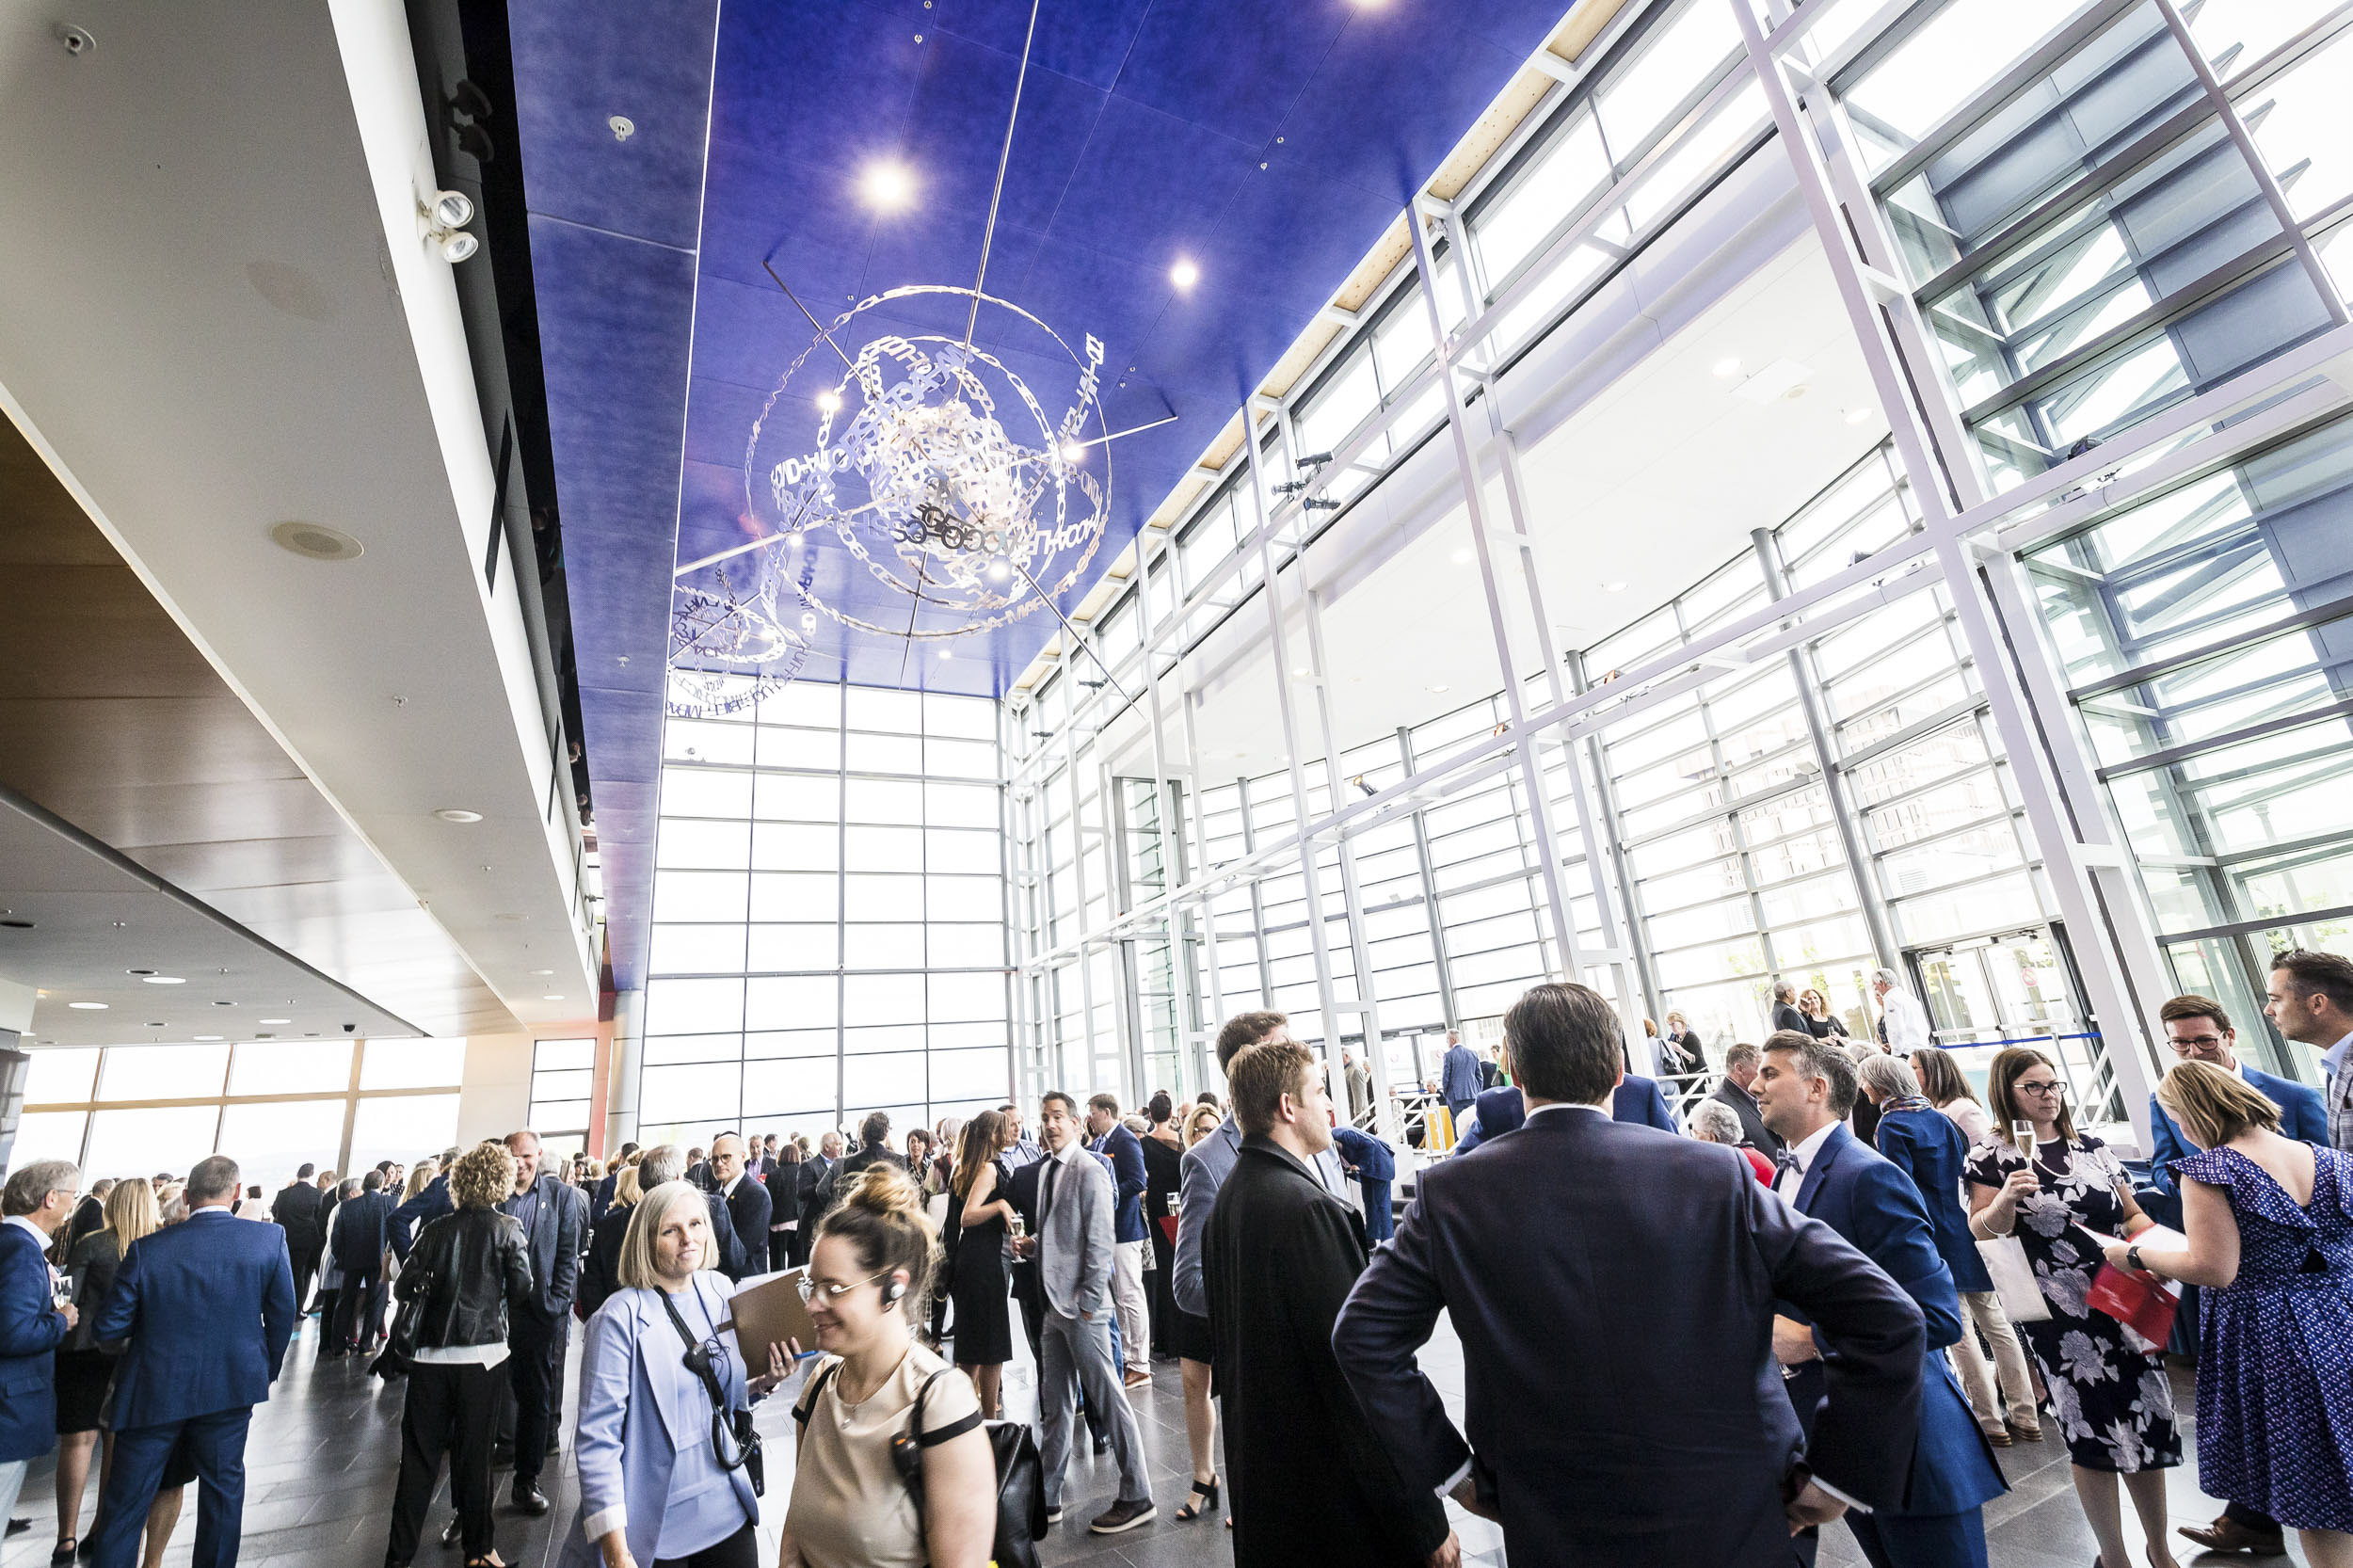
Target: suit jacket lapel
point(1824, 1158)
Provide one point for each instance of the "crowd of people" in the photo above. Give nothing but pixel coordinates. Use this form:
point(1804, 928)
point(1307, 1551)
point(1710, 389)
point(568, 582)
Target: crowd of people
point(1854, 1279)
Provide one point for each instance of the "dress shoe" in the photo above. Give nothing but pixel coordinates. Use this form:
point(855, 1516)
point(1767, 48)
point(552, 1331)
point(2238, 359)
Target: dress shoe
point(2025, 1434)
point(454, 1531)
point(1125, 1515)
point(528, 1499)
point(1998, 1437)
point(2227, 1534)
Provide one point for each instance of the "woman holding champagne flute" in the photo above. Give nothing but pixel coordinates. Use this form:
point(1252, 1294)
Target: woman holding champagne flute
point(979, 1217)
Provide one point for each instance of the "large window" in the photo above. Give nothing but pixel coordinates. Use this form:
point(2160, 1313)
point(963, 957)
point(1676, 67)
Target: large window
point(272, 1105)
point(829, 909)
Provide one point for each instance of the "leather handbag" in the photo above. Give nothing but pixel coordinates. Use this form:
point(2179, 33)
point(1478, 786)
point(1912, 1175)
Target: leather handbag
point(2013, 1279)
point(400, 1346)
point(1020, 1475)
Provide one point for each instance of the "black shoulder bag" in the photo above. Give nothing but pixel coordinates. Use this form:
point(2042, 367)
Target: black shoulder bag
point(1020, 1475)
point(731, 1431)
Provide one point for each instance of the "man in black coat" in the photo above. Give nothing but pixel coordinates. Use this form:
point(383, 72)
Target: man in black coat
point(810, 1176)
point(783, 1182)
point(1736, 1091)
point(297, 1208)
point(1624, 1404)
point(554, 1217)
point(359, 1241)
point(873, 1148)
point(746, 1204)
point(1311, 1484)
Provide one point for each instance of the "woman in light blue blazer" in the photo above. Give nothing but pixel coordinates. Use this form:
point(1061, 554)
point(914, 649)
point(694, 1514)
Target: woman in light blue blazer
point(661, 1480)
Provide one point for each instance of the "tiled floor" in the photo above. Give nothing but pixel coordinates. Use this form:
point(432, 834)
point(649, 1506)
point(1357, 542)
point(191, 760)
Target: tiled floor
point(324, 1452)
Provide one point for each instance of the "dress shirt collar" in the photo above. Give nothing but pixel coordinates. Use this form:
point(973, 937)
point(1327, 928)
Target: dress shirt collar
point(229, 1209)
point(1803, 1153)
point(31, 1229)
point(1067, 1153)
point(729, 1191)
point(1567, 1105)
point(2332, 1060)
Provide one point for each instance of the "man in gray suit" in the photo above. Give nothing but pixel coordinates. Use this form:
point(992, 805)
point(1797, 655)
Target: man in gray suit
point(1074, 1246)
point(1203, 1170)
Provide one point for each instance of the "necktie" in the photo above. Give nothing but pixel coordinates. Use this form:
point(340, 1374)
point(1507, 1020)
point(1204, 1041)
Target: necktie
point(1046, 1191)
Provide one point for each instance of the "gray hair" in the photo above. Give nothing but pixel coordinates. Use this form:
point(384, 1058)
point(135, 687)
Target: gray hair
point(351, 1187)
point(1821, 1061)
point(1783, 990)
point(662, 1162)
point(1741, 1053)
point(215, 1175)
point(1888, 1075)
point(30, 1187)
point(1715, 1122)
point(1887, 977)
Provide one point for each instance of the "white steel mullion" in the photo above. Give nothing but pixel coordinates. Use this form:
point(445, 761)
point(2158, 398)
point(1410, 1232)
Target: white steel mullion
point(1196, 1038)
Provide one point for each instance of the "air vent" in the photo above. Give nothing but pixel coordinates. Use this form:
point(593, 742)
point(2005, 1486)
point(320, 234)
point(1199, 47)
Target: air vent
point(316, 541)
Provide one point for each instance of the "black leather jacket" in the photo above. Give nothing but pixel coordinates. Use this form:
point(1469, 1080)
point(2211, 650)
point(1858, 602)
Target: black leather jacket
point(476, 1266)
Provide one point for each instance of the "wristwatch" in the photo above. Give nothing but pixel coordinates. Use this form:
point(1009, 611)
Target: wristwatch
point(2132, 1257)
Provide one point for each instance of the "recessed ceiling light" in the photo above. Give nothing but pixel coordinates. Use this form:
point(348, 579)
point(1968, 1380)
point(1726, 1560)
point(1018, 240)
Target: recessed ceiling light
point(1613, 588)
point(162, 979)
point(1074, 452)
point(277, 1020)
point(535, 974)
point(1856, 416)
point(458, 815)
point(887, 186)
point(87, 1006)
point(1462, 557)
point(947, 653)
point(830, 401)
point(206, 1039)
point(1441, 688)
point(553, 996)
point(1727, 367)
point(1184, 274)
point(1301, 673)
point(315, 541)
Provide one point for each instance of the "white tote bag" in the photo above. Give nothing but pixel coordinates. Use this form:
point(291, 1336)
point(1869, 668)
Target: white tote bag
point(2013, 1280)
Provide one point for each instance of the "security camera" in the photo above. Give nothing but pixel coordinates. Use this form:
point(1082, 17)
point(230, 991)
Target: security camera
point(350, 1028)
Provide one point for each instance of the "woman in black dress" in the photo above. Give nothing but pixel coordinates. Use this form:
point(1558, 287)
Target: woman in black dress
point(978, 1214)
point(1163, 1167)
point(84, 1370)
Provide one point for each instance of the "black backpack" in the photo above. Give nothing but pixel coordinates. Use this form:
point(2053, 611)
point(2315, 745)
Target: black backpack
point(1020, 1474)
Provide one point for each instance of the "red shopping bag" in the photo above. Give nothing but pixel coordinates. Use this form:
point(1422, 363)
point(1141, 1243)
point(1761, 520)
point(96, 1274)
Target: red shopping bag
point(1168, 1228)
point(2135, 1300)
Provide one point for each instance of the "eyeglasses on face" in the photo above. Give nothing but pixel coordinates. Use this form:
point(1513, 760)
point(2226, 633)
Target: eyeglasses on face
point(2044, 1090)
point(809, 1288)
point(2183, 1044)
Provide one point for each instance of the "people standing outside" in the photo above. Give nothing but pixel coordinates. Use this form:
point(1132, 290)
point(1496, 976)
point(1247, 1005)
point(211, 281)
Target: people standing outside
point(662, 1478)
point(852, 1505)
point(1904, 1026)
point(468, 1270)
point(2107, 1385)
point(2311, 999)
point(1074, 1245)
point(980, 1219)
point(1927, 1146)
point(1608, 1457)
point(1311, 1481)
point(207, 1306)
point(35, 1205)
point(1460, 1081)
point(1805, 1088)
point(1120, 1145)
point(359, 1241)
point(554, 1220)
point(84, 1370)
point(2270, 1233)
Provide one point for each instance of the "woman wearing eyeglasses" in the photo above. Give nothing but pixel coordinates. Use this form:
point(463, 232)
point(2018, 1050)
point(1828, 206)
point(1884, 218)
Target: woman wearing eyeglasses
point(2061, 1193)
point(662, 1478)
point(851, 1507)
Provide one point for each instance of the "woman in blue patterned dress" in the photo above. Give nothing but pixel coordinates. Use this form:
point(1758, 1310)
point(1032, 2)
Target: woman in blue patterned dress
point(2108, 1385)
point(2270, 1223)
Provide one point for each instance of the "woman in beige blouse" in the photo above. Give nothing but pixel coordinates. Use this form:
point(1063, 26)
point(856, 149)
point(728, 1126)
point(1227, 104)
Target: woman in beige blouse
point(850, 1508)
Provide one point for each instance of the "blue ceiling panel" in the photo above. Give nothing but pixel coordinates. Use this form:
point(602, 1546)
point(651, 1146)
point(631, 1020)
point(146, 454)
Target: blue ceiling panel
point(1141, 129)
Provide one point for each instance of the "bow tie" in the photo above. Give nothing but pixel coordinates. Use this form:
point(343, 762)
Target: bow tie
point(1785, 1160)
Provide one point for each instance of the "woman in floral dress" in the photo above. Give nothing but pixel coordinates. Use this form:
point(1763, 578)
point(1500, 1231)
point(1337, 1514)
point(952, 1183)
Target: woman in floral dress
point(2108, 1385)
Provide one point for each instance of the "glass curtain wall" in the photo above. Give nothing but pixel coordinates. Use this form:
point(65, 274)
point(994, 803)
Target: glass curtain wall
point(829, 915)
point(272, 1105)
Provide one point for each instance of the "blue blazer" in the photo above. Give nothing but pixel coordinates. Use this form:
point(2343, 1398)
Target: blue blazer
point(1499, 1110)
point(208, 1306)
point(418, 1213)
point(357, 1237)
point(1861, 1194)
point(30, 1330)
point(1929, 1148)
point(2301, 1117)
point(1125, 1155)
point(631, 1429)
point(1457, 1076)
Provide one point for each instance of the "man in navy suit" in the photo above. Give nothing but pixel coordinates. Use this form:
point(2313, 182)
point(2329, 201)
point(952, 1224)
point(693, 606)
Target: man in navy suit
point(207, 1306)
point(38, 1202)
point(1458, 1080)
point(359, 1241)
point(1805, 1088)
point(2199, 1031)
point(1638, 1100)
point(1133, 1245)
point(554, 1217)
point(1624, 1407)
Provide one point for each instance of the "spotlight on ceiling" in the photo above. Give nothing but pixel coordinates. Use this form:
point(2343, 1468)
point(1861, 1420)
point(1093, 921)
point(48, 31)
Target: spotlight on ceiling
point(947, 653)
point(445, 218)
point(887, 186)
point(1856, 416)
point(1074, 452)
point(1727, 367)
point(553, 996)
point(998, 570)
point(1184, 274)
point(453, 209)
point(458, 814)
point(163, 979)
point(268, 1021)
point(1613, 588)
point(830, 401)
point(1441, 688)
point(206, 1039)
point(316, 541)
point(87, 1006)
point(1462, 557)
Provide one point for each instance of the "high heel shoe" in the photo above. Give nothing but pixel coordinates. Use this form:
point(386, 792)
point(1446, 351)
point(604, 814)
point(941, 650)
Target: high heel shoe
point(1204, 1499)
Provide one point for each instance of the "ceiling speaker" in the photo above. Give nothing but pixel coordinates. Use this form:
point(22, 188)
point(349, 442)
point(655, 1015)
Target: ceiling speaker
point(316, 541)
